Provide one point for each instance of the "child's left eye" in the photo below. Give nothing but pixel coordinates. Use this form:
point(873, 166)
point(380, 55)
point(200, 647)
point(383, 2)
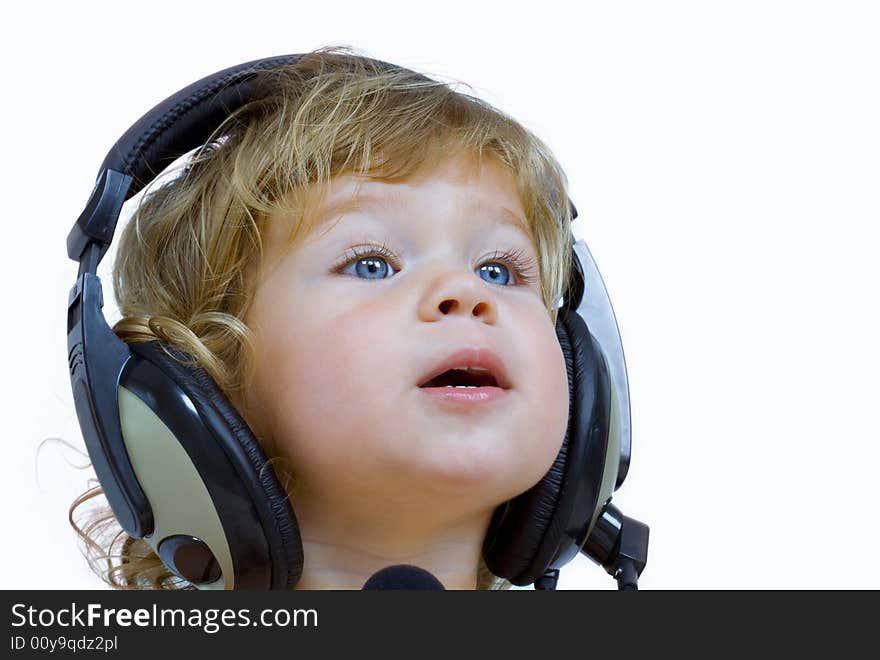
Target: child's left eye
point(374, 255)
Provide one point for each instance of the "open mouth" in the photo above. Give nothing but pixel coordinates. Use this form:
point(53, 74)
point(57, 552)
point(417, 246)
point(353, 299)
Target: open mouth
point(469, 378)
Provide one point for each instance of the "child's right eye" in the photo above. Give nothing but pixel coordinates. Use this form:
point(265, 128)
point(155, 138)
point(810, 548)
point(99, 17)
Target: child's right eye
point(371, 255)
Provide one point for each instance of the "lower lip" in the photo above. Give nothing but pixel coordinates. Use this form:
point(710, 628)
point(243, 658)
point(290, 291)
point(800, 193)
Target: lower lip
point(466, 397)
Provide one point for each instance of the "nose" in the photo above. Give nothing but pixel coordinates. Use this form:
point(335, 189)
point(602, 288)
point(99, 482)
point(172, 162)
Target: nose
point(458, 293)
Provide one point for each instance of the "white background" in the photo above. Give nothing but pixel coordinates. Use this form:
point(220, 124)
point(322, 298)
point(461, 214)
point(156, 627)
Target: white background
point(724, 158)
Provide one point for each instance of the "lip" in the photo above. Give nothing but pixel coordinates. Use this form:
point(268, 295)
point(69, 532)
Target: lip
point(471, 357)
point(465, 397)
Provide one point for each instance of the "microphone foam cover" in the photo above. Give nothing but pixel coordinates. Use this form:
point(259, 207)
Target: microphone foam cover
point(403, 576)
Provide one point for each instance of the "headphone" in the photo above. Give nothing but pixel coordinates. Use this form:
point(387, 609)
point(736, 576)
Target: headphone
point(181, 469)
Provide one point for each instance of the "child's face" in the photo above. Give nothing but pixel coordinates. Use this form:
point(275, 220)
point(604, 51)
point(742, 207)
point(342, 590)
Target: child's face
point(340, 354)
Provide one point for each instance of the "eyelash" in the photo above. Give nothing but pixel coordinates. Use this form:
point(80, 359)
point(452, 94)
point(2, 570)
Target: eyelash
point(522, 265)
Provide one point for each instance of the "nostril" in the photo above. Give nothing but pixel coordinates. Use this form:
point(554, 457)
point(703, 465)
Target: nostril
point(446, 306)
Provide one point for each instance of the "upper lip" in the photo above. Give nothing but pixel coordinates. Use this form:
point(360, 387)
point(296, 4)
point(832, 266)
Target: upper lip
point(481, 358)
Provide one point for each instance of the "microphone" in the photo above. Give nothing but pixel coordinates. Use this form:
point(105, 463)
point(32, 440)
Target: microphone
point(403, 576)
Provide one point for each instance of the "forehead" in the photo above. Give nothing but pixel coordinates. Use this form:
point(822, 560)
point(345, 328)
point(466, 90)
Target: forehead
point(487, 193)
point(373, 200)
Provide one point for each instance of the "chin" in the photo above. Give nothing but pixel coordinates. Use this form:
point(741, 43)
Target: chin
point(484, 471)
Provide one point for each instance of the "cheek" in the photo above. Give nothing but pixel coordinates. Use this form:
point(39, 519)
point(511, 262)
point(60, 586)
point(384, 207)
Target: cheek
point(519, 451)
point(348, 354)
point(324, 379)
point(544, 429)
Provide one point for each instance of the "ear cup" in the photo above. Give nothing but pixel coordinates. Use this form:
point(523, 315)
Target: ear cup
point(530, 532)
point(268, 511)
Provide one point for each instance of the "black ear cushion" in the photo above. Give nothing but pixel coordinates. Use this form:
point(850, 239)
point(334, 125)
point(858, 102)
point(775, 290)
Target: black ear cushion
point(528, 528)
point(203, 391)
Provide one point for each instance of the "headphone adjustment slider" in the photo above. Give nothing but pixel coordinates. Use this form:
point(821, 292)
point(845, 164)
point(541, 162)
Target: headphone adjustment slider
point(97, 222)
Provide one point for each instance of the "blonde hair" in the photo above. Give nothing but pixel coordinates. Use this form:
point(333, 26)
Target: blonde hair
point(182, 267)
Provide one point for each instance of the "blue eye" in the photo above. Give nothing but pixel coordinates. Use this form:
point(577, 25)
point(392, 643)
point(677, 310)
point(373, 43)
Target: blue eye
point(374, 263)
point(492, 269)
point(371, 267)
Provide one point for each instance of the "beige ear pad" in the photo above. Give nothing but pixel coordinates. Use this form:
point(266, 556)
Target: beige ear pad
point(205, 475)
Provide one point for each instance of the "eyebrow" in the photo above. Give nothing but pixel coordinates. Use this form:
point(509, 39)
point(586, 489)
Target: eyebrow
point(500, 214)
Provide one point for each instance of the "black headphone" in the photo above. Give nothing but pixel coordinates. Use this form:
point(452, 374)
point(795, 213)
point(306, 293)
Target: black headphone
point(181, 469)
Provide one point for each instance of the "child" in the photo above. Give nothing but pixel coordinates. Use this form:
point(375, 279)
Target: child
point(258, 262)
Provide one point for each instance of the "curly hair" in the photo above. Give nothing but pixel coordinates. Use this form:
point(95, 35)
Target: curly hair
point(182, 267)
